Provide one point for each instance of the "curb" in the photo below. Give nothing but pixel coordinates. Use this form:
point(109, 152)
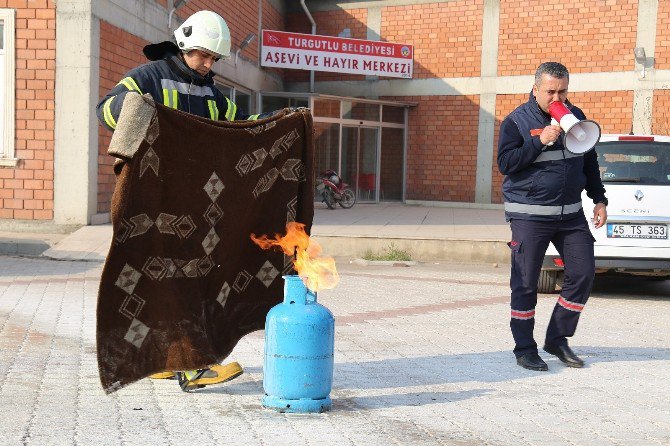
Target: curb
point(420, 249)
point(23, 247)
point(364, 262)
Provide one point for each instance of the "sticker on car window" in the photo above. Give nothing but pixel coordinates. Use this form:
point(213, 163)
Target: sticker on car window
point(627, 158)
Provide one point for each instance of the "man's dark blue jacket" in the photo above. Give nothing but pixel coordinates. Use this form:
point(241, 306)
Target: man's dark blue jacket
point(543, 182)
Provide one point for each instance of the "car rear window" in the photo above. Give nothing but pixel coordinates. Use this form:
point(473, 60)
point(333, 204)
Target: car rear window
point(634, 162)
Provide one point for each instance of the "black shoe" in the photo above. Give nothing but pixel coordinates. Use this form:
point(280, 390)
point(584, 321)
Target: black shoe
point(565, 354)
point(532, 361)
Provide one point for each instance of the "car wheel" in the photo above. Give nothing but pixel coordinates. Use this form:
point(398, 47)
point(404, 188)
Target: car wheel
point(546, 284)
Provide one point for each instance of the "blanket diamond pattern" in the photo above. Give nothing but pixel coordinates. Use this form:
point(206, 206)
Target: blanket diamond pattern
point(183, 282)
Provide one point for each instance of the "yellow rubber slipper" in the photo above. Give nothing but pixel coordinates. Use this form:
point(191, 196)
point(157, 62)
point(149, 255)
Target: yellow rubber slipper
point(217, 374)
point(163, 375)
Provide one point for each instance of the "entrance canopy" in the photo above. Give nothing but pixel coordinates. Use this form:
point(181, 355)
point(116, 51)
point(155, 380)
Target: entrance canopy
point(364, 140)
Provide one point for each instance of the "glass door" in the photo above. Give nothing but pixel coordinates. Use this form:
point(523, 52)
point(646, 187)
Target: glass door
point(368, 159)
point(360, 160)
point(349, 157)
point(391, 170)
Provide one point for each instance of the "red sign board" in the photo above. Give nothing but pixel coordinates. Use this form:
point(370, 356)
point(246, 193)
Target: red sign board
point(336, 54)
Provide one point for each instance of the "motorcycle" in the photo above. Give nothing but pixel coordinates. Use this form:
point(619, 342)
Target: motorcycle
point(335, 191)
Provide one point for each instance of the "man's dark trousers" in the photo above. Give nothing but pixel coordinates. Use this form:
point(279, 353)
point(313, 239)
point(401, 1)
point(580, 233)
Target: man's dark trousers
point(530, 239)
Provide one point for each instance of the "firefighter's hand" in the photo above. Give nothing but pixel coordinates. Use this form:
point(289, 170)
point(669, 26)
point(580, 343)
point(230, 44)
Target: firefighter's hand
point(550, 134)
point(599, 215)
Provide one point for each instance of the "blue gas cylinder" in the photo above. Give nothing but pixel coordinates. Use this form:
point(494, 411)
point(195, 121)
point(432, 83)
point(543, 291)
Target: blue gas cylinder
point(299, 346)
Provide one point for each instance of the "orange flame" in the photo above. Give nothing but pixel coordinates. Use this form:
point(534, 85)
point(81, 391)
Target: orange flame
point(317, 273)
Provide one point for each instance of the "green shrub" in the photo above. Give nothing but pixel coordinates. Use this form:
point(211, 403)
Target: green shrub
point(390, 253)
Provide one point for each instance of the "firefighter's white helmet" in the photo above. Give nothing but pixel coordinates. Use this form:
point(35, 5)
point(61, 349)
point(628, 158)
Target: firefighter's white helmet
point(204, 30)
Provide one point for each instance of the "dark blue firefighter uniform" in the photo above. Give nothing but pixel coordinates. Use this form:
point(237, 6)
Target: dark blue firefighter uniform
point(172, 83)
point(542, 197)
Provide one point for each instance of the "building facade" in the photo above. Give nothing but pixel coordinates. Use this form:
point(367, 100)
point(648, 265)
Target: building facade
point(473, 64)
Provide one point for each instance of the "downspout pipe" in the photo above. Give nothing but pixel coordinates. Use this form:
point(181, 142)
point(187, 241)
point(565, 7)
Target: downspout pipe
point(311, 19)
point(175, 5)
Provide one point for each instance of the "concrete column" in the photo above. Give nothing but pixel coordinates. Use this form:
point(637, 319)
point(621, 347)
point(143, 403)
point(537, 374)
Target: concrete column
point(374, 30)
point(487, 101)
point(642, 111)
point(374, 23)
point(485, 138)
point(76, 145)
point(643, 94)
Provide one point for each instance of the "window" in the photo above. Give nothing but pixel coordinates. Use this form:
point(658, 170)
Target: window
point(395, 115)
point(7, 62)
point(645, 163)
point(360, 111)
point(241, 98)
point(272, 103)
point(328, 108)
point(243, 101)
point(225, 89)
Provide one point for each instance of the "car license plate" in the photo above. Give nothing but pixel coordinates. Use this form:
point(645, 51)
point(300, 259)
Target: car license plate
point(637, 231)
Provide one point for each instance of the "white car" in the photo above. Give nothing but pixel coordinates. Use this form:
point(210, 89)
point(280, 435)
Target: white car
point(635, 171)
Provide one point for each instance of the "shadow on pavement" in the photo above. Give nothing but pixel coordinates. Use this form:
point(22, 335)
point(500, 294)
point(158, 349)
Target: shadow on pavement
point(444, 369)
point(484, 367)
point(237, 387)
point(478, 367)
point(631, 287)
point(404, 399)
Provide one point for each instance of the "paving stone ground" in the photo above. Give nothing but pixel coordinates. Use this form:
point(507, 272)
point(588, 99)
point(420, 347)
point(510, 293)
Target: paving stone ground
point(423, 357)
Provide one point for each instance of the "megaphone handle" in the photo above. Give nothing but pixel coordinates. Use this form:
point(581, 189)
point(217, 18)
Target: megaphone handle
point(553, 122)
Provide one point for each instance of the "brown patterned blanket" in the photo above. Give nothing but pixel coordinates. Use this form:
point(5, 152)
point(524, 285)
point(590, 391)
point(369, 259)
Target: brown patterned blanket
point(183, 282)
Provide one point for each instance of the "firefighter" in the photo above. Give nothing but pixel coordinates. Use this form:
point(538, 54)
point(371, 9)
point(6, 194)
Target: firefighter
point(542, 198)
point(179, 76)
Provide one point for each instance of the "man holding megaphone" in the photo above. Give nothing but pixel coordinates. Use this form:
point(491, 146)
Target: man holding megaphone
point(546, 150)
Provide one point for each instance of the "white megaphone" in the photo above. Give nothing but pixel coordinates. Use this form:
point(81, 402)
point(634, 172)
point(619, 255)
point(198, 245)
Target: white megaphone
point(580, 136)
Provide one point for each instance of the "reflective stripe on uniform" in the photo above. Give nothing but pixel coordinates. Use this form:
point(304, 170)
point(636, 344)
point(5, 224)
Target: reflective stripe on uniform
point(213, 110)
point(523, 315)
point(538, 209)
point(253, 118)
point(556, 155)
point(184, 88)
point(130, 84)
point(572, 306)
point(231, 110)
point(170, 98)
point(107, 113)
